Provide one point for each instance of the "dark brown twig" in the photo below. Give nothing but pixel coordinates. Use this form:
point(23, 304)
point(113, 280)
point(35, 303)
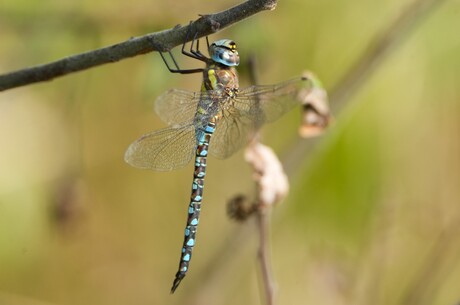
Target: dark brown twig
point(263, 213)
point(159, 41)
point(272, 186)
point(264, 254)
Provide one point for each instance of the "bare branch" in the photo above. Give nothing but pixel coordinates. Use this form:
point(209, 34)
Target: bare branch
point(273, 186)
point(158, 41)
point(264, 254)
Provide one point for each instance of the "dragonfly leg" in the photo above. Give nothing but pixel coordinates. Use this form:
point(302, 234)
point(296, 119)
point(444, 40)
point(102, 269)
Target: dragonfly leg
point(197, 51)
point(176, 68)
point(196, 54)
point(174, 61)
point(192, 53)
point(207, 42)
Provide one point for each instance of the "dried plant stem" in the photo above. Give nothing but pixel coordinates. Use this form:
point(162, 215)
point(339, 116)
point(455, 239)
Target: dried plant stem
point(159, 41)
point(264, 254)
point(263, 214)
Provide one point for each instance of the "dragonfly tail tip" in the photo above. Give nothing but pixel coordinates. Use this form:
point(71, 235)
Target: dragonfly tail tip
point(176, 283)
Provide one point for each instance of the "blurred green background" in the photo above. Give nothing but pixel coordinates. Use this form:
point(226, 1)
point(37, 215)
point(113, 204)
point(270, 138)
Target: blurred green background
point(373, 212)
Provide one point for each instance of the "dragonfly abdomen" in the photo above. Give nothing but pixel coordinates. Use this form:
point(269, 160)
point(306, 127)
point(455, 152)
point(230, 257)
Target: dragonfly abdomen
point(203, 139)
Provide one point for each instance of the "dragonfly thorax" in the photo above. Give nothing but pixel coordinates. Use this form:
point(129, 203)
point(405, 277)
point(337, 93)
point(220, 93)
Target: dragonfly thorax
point(221, 78)
point(224, 52)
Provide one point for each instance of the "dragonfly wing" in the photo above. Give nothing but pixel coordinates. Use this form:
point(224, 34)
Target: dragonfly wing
point(176, 107)
point(231, 133)
point(163, 150)
point(253, 107)
point(267, 103)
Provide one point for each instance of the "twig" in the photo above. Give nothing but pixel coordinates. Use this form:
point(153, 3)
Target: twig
point(272, 186)
point(158, 41)
point(272, 183)
point(264, 254)
point(263, 217)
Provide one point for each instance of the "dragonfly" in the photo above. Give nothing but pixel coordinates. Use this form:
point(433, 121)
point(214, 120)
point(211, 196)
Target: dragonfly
point(220, 111)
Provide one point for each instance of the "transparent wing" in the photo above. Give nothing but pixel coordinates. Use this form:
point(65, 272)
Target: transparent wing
point(176, 107)
point(231, 133)
point(267, 103)
point(253, 107)
point(163, 150)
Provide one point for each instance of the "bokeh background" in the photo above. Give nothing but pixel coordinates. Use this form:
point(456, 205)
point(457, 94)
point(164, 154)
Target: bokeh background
point(373, 212)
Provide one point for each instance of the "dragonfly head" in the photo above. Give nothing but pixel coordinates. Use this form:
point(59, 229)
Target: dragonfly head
point(224, 52)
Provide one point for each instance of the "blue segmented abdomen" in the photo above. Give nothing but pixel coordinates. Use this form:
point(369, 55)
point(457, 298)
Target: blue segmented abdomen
point(203, 138)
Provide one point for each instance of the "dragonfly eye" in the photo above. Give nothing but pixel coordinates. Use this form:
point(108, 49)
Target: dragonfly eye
point(224, 52)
